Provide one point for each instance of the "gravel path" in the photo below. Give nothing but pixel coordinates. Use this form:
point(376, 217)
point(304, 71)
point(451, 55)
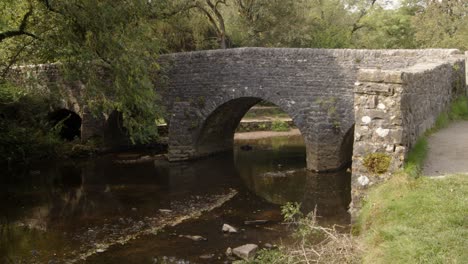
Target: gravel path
point(448, 151)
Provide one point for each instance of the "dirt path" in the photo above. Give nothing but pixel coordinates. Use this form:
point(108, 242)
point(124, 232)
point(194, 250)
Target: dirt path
point(448, 151)
point(265, 134)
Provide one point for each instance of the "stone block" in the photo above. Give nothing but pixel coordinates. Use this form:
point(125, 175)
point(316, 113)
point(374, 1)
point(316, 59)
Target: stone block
point(380, 76)
point(246, 252)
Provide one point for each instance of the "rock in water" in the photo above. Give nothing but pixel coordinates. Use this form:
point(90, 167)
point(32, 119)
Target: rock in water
point(194, 238)
point(229, 229)
point(245, 252)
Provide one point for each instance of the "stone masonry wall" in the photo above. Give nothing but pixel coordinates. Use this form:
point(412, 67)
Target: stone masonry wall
point(393, 108)
point(208, 94)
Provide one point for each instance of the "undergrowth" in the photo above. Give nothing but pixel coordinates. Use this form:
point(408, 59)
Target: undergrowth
point(25, 132)
point(314, 243)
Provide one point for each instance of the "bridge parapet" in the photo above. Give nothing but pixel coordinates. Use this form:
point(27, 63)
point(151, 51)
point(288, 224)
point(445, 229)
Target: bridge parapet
point(393, 108)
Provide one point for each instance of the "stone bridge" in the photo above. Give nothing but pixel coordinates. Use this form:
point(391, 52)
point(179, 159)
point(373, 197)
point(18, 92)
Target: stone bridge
point(378, 100)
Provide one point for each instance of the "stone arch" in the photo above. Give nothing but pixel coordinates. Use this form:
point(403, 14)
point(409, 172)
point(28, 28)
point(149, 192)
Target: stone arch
point(69, 121)
point(203, 128)
point(216, 133)
point(315, 88)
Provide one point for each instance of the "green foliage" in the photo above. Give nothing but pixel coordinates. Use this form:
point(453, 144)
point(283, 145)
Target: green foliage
point(291, 212)
point(265, 256)
point(316, 244)
point(409, 220)
point(377, 163)
point(24, 132)
point(279, 125)
point(459, 109)
point(441, 24)
point(388, 29)
point(265, 112)
point(416, 157)
point(290, 23)
point(110, 47)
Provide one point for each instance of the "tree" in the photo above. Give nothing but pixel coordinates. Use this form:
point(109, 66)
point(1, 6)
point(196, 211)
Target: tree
point(211, 9)
point(442, 24)
point(269, 23)
point(91, 39)
point(388, 29)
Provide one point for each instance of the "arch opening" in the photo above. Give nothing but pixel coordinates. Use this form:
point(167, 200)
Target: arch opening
point(245, 114)
point(69, 122)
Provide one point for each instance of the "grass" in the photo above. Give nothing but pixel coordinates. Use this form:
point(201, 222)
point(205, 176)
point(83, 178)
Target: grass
point(420, 220)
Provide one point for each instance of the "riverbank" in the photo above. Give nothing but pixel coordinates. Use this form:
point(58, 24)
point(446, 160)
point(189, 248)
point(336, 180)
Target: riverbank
point(265, 134)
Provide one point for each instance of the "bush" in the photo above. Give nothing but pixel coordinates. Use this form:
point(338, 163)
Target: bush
point(24, 130)
point(314, 243)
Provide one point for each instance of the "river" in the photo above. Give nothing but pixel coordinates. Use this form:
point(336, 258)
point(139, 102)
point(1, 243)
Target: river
point(122, 208)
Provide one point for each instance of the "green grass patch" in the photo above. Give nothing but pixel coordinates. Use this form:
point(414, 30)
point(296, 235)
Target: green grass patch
point(279, 125)
point(265, 112)
point(416, 157)
point(420, 220)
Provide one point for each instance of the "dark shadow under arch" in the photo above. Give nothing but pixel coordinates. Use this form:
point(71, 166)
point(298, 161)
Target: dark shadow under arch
point(346, 148)
point(69, 121)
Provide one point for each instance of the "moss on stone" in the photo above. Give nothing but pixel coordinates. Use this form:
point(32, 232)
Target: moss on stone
point(377, 163)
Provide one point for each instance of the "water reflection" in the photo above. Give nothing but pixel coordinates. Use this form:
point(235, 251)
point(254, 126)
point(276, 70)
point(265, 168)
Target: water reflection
point(51, 213)
point(282, 176)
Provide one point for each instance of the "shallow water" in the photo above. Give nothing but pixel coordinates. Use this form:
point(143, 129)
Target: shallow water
point(113, 210)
